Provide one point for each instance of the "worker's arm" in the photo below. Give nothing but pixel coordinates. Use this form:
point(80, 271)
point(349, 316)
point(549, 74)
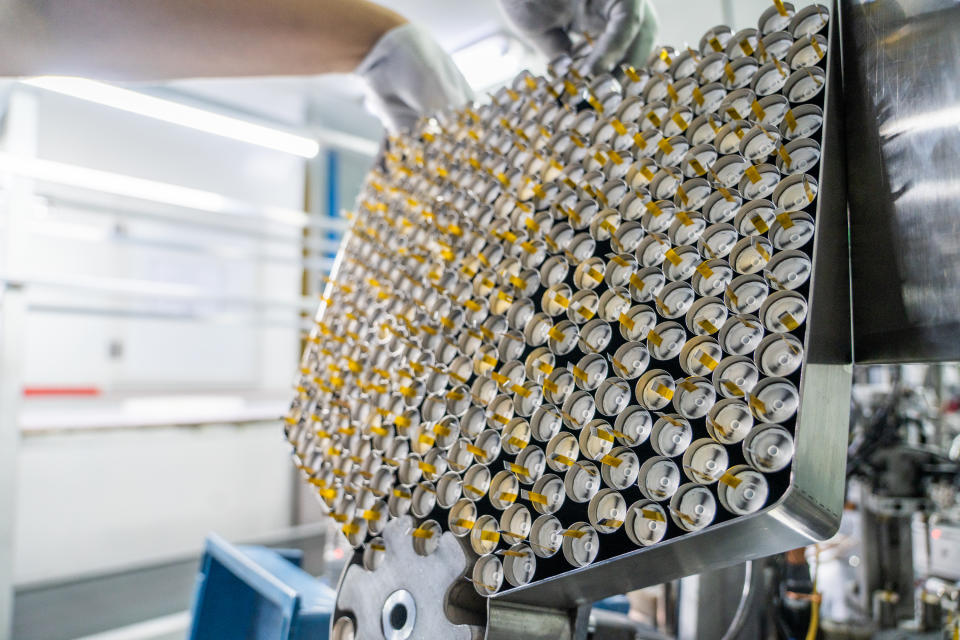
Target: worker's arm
point(164, 39)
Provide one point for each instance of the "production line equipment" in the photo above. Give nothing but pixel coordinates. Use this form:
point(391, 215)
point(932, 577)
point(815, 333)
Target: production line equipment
point(588, 336)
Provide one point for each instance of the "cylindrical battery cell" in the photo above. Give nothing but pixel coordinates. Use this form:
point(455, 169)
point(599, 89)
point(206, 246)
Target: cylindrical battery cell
point(768, 448)
point(461, 517)
point(581, 544)
point(581, 482)
point(515, 523)
point(659, 478)
point(646, 523)
point(607, 511)
point(632, 427)
point(742, 490)
point(692, 507)
point(519, 565)
point(729, 421)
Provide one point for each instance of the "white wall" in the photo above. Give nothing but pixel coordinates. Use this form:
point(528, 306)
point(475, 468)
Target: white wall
point(95, 501)
point(92, 500)
point(69, 241)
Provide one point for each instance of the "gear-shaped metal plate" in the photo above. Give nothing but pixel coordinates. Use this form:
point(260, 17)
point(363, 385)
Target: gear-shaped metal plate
point(428, 580)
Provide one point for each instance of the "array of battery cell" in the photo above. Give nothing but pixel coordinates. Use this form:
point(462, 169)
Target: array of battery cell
point(569, 323)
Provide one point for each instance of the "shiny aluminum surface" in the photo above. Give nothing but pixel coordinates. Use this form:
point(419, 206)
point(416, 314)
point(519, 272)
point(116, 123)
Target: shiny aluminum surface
point(901, 63)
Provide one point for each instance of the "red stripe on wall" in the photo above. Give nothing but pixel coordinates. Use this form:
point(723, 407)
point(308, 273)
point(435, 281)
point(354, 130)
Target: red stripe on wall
point(61, 391)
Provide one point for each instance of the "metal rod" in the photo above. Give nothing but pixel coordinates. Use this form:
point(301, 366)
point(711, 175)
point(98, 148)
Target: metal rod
point(213, 318)
point(153, 290)
point(219, 222)
point(120, 185)
point(12, 318)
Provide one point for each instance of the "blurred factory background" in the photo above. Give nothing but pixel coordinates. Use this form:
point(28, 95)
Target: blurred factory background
point(163, 269)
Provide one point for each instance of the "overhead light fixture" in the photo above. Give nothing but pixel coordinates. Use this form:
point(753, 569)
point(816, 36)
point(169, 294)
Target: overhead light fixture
point(179, 114)
point(112, 183)
point(118, 184)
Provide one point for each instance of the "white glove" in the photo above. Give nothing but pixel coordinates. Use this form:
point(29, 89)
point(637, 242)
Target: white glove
point(409, 76)
point(621, 30)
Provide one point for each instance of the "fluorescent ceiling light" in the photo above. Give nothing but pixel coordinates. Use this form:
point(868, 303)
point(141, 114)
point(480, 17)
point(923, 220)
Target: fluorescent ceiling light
point(112, 183)
point(118, 184)
point(178, 113)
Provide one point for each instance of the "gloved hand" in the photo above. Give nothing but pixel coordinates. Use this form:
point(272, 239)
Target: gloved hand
point(622, 31)
point(408, 76)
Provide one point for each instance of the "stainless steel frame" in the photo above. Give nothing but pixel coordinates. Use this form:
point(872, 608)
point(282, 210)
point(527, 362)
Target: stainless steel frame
point(811, 507)
point(901, 60)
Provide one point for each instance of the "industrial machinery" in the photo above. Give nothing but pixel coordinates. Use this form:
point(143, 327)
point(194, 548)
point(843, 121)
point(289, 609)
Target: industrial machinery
point(594, 335)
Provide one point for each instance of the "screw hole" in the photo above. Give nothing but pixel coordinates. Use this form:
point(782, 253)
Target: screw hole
point(398, 616)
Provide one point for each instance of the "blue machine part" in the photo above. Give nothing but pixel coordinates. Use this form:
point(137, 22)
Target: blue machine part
point(618, 604)
point(259, 594)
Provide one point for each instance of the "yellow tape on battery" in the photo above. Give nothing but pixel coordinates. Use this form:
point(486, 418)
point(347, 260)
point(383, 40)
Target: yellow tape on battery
point(788, 321)
point(562, 459)
point(706, 360)
point(759, 224)
point(613, 523)
point(603, 434)
point(516, 468)
point(611, 461)
point(538, 498)
point(521, 390)
point(672, 92)
point(473, 489)
point(730, 480)
point(517, 442)
point(731, 76)
point(733, 388)
point(477, 451)
point(490, 536)
point(757, 404)
point(816, 45)
point(790, 120)
point(698, 96)
point(652, 514)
